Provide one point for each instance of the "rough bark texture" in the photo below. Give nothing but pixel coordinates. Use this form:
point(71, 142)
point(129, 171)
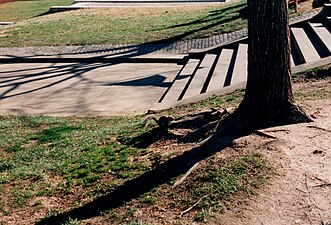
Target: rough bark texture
point(268, 98)
point(269, 69)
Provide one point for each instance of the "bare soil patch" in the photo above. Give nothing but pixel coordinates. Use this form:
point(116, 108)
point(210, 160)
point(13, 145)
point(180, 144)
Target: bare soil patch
point(300, 192)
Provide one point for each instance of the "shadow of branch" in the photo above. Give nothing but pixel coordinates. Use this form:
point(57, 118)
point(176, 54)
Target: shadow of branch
point(214, 15)
point(132, 189)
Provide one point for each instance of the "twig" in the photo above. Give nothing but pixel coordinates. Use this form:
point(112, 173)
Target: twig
point(322, 185)
point(314, 136)
point(301, 190)
point(320, 179)
point(189, 209)
point(178, 182)
point(278, 130)
point(306, 183)
point(262, 134)
point(319, 128)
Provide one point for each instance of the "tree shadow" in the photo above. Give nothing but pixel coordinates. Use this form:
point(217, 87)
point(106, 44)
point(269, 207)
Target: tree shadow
point(146, 139)
point(318, 3)
point(135, 50)
point(62, 72)
point(154, 80)
point(214, 15)
point(57, 74)
point(197, 127)
point(215, 18)
point(136, 187)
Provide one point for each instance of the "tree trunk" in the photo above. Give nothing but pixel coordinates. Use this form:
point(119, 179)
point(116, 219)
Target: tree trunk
point(269, 69)
point(268, 98)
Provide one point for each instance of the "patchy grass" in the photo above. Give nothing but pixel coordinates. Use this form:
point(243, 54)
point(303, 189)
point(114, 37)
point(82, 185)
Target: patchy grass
point(119, 25)
point(313, 74)
point(46, 156)
point(22, 10)
point(226, 101)
point(312, 85)
point(218, 180)
point(320, 93)
point(49, 165)
point(208, 191)
point(125, 25)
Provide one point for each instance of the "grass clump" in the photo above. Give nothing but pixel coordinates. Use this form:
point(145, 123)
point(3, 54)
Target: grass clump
point(215, 185)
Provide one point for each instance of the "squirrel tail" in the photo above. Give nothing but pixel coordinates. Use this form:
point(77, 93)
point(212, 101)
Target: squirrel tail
point(148, 119)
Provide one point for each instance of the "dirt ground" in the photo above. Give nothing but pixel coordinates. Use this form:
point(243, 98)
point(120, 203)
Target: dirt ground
point(301, 191)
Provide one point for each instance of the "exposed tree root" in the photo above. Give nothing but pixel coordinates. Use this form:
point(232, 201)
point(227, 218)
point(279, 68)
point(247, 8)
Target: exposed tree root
point(246, 119)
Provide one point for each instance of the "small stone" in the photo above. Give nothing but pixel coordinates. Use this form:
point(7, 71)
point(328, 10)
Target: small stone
point(317, 152)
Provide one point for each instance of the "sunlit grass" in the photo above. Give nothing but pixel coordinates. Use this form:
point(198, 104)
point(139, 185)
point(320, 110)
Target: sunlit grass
point(21, 10)
point(124, 25)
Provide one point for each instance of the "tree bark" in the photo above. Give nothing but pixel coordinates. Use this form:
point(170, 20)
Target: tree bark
point(269, 69)
point(268, 98)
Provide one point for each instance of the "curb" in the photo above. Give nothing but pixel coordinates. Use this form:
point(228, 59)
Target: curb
point(180, 60)
point(6, 23)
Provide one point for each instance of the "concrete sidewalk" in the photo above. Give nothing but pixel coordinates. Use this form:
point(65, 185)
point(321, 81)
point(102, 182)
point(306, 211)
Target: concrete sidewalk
point(82, 89)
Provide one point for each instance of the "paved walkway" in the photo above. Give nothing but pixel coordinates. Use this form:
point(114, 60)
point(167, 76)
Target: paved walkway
point(97, 4)
point(82, 89)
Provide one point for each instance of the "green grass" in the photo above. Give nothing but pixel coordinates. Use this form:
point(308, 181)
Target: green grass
point(321, 93)
point(225, 101)
point(80, 159)
point(79, 152)
point(22, 10)
point(124, 25)
point(43, 156)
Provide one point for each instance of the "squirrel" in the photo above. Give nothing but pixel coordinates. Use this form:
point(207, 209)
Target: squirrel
point(163, 121)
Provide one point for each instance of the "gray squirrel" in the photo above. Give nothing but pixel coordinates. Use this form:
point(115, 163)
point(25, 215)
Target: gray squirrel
point(163, 121)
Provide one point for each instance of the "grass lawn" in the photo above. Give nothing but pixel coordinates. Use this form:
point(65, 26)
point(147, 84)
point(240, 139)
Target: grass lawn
point(50, 165)
point(124, 25)
point(25, 9)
